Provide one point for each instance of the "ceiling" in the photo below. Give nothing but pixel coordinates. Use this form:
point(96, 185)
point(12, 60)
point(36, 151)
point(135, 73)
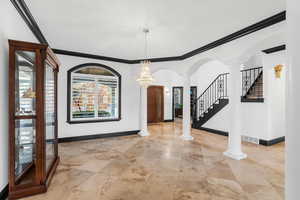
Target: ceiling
point(114, 27)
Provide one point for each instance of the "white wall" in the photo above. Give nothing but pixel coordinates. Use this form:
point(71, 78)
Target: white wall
point(206, 74)
point(130, 96)
point(254, 120)
point(12, 27)
point(254, 61)
point(275, 94)
point(221, 121)
point(292, 161)
point(168, 79)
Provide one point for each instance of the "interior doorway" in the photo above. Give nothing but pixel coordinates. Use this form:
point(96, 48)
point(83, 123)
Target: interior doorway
point(155, 104)
point(177, 100)
point(194, 102)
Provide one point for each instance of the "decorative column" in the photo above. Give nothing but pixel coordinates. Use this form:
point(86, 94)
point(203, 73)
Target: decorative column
point(186, 119)
point(234, 150)
point(144, 128)
point(292, 147)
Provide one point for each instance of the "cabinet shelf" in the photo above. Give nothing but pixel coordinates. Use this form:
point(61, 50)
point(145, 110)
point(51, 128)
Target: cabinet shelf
point(25, 116)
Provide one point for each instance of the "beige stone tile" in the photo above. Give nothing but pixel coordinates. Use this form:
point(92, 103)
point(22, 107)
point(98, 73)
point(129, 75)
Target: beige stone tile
point(164, 167)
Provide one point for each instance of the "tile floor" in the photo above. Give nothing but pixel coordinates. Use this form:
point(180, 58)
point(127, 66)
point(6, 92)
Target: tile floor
point(163, 167)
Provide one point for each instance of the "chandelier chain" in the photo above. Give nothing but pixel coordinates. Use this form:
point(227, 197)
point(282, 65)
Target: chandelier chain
point(146, 31)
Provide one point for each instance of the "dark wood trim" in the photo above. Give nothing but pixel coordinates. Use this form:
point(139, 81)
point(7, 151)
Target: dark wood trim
point(112, 59)
point(69, 94)
point(25, 13)
point(218, 132)
point(275, 49)
point(271, 142)
point(169, 120)
point(97, 136)
point(258, 100)
point(4, 193)
point(261, 142)
point(25, 117)
point(92, 56)
point(52, 171)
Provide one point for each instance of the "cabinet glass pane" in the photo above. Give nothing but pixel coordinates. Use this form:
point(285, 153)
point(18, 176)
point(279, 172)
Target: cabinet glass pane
point(49, 116)
point(25, 150)
point(25, 83)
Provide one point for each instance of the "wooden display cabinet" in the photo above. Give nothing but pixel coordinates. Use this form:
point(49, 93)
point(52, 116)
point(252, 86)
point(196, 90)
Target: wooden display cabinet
point(33, 154)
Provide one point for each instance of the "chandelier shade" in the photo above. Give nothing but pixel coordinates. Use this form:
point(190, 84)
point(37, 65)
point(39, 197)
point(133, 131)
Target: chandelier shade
point(145, 78)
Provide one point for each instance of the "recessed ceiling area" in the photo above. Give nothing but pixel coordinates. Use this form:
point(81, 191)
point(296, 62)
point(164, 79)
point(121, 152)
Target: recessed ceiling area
point(114, 27)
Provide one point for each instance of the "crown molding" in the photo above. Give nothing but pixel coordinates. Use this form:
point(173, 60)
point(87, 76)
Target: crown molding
point(92, 56)
point(25, 13)
point(275, 49)
point(28, 18)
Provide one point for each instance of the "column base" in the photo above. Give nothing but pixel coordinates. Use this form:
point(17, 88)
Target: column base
point(186, 137)
point(239, 156)
point(144, 133)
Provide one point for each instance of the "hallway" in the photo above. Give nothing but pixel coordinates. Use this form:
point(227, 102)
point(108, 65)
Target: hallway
point(164, 167)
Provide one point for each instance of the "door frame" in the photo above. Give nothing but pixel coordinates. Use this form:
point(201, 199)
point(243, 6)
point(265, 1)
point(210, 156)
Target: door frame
point(196, 107)
point(162, 105)
point(173, 106)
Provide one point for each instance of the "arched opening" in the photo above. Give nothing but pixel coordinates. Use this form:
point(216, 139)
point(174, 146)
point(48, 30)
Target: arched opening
point(94, 94)
point(167, 80)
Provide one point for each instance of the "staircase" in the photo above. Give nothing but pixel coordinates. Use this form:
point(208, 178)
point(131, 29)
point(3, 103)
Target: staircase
point(211, 101)
point(252, 85)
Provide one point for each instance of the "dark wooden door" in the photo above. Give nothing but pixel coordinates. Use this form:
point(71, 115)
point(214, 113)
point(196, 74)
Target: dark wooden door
point(155, 102)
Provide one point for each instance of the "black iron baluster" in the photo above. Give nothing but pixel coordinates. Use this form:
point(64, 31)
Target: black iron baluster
point(251, 84)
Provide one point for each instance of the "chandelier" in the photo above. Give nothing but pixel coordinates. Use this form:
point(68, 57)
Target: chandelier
point(145, 78)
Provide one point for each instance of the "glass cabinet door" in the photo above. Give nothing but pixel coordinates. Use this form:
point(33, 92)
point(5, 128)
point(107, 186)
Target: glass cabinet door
point(25, 125)
point(50, 116)
point(25, 82)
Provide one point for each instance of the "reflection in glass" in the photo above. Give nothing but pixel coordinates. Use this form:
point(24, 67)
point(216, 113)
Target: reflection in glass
point(94, 94)
point(178, 100)
point(49, 115)
point(25, 83)
point(25, 147)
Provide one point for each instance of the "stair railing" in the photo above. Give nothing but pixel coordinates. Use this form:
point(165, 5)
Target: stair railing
point(214, 92)
point(249, 78)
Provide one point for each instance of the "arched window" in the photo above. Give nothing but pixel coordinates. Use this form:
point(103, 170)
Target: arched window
point(94, 94)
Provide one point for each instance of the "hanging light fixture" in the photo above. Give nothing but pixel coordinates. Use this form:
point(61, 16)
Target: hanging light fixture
point(145, 78)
